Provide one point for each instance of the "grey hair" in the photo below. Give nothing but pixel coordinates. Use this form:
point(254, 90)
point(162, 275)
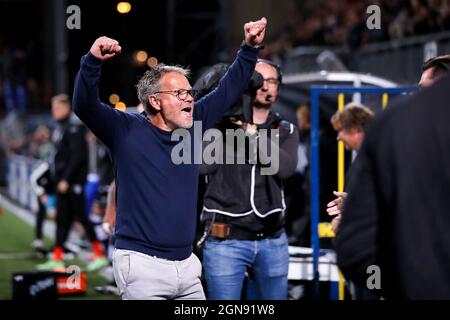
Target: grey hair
point(151, 83)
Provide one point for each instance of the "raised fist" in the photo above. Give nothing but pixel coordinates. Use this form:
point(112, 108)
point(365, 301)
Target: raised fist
point(254, 32)
point(105, 48)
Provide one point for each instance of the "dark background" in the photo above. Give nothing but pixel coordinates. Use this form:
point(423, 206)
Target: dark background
point(175, 32)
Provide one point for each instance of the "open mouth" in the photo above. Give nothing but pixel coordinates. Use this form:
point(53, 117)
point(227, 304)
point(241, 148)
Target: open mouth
point(187, 109)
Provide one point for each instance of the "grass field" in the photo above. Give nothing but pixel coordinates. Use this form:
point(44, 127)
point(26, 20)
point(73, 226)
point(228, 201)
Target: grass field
point(17, 255)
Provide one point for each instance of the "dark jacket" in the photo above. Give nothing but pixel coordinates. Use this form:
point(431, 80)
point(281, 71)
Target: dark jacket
point(70, 162)
point(242, 196)
point(396, 215)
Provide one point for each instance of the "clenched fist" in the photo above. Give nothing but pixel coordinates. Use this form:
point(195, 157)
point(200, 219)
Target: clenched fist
point(105, 48)
point(254, 32)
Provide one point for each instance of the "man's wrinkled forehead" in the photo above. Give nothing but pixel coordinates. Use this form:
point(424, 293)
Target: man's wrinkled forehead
point(174, 80)
point(265, 69)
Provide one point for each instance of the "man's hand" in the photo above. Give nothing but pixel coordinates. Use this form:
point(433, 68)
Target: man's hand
point(109, 220)
point(105, 48)
point(254, 32)
point(335, 223)
point(63, 186)
point(250, 129)
point(336, 208)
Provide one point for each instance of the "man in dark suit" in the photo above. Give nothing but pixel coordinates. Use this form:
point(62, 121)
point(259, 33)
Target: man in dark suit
point(396, 217)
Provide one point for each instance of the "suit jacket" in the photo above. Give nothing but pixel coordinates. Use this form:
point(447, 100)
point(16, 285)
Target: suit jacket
point(397, 214)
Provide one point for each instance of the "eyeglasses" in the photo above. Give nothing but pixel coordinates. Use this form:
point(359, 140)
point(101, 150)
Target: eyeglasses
point(181, 94)
point(272, 81)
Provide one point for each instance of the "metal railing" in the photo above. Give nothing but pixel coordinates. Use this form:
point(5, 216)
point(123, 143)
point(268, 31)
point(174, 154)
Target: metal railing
point(397, 60)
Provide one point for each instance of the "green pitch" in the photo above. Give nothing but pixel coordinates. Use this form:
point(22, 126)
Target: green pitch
point(17, 255)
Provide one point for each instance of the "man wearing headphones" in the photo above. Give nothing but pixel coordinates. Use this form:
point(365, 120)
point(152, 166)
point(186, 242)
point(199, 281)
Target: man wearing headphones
point(244, 208)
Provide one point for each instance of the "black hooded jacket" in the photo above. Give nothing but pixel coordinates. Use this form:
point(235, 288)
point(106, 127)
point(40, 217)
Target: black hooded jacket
point(240, 195)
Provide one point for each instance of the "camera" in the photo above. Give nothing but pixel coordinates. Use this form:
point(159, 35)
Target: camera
point(243, 109)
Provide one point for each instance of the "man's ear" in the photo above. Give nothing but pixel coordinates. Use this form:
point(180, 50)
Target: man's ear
point(155, 103)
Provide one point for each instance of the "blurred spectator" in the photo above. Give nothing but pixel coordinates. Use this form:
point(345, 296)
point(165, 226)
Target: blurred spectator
point(43, 187)
point(41, 181)
point(40, 146)
point(343, 23)
point(69, 170)
point(108, 226)
point(2, 166)
point(13, 134)
point(104, 171)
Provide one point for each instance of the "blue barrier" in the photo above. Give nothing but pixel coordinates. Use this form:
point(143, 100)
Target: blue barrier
point(19, 169)
point(91, 190)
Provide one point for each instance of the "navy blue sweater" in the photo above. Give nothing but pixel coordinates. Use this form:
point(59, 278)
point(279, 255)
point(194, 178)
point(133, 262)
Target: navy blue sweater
point(156, 199)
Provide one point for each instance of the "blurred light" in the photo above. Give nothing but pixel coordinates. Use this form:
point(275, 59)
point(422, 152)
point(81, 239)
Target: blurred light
point(123, 7)
point(120, 106)
point(141, 56)
point(152, 61)
point(114, 98)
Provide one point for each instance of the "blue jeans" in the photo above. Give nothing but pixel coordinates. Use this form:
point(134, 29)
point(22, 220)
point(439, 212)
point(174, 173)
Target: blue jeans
point(226, 261)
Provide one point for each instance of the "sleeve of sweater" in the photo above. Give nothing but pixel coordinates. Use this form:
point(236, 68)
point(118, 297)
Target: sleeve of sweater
point(212, 106)
point(104, 121)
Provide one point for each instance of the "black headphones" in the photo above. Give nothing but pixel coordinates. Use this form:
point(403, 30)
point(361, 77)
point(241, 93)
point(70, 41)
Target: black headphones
point(276, 66)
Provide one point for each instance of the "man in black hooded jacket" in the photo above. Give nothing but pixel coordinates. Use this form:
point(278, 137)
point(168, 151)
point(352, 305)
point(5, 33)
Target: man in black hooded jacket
point(244, 208)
